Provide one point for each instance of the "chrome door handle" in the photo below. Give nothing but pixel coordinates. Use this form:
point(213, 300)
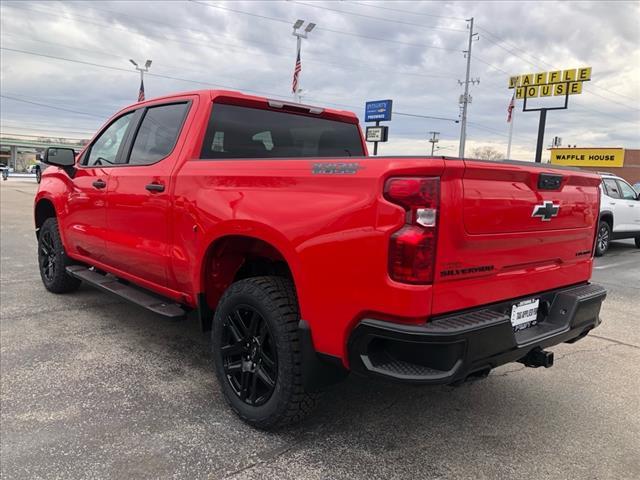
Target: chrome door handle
point(99, 183)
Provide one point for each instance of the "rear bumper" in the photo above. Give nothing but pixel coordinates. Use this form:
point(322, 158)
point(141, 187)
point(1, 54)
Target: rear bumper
point(451, 348)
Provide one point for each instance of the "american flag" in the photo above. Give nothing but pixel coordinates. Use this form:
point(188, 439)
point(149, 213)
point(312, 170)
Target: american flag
point(141, 92)
point(511, 107)
point(296, 73)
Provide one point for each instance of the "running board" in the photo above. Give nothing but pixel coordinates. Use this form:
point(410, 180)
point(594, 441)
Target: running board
point(111, 284)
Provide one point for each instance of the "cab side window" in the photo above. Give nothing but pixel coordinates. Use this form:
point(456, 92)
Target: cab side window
point(611, 188)
point(626, 191)
point(158, 133)
point(104, 150)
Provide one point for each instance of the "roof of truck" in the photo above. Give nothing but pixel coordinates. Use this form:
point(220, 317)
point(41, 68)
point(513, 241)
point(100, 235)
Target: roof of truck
point(249, 99)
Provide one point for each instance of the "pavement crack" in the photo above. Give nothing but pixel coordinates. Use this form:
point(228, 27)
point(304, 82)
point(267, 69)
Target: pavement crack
point(613, 340)
point(269, 456)
point(565, 355)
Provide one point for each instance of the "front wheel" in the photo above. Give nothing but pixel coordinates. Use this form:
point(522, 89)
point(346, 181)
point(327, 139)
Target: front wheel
point(53, 260)
point(604, 237)
point(257, 352)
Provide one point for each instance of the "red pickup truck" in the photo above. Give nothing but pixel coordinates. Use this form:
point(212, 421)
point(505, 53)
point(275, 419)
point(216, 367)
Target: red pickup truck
point(308, 259)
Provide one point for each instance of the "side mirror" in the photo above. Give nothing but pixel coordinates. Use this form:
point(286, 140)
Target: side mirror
point(60, 157)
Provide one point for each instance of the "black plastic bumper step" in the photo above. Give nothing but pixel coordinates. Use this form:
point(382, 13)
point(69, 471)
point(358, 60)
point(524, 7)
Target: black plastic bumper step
point(111, 284)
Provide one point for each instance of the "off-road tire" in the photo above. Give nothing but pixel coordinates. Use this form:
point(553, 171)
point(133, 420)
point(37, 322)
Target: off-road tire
point(52, 260)
point(274, 299)
point(603, 238)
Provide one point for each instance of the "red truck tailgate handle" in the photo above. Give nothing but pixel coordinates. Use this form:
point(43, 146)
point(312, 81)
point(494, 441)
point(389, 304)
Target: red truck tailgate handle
point(155, 187)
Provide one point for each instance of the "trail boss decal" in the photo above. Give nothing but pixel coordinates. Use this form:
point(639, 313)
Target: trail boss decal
point(336, 168)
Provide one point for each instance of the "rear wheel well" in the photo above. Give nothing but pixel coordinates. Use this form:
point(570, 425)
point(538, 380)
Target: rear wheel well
point(608, 218)
point(44, 210)
point(232, 258)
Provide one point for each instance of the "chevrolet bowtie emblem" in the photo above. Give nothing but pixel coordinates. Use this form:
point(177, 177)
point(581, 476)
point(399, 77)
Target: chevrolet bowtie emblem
point(546, 211)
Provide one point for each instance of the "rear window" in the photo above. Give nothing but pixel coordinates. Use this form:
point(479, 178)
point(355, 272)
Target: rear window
point(611, 187)
point(243, 132)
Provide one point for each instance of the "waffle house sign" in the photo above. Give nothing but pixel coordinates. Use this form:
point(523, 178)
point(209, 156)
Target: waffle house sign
point(588, 157)
point(548, 84)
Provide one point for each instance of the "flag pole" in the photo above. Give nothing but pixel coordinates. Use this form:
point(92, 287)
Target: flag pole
point(510, 138)
point(511, 119)
point(299, 47)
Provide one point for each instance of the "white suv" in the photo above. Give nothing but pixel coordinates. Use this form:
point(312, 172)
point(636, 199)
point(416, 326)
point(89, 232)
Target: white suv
point(619, 212)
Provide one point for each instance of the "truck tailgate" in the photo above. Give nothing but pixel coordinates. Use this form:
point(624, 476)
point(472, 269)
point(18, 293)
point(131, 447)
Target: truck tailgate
point(511, 229)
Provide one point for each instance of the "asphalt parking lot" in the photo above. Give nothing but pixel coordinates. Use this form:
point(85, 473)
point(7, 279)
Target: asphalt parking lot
point(93, 387)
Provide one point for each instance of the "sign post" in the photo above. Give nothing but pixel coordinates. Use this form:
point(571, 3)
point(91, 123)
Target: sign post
point(377, 111)
point(547, 84)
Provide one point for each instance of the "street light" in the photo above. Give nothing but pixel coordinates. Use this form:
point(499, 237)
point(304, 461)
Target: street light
point(142, 71)
point(295, 87)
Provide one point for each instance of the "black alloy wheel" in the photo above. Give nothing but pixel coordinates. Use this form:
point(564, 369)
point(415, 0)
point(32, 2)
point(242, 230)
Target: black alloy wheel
point(47, 256)
point(256, 352)
point(249, 355)
point(53, 260)
point(604, 237)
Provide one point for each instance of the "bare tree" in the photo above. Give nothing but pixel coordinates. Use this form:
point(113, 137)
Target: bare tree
point(486, 153)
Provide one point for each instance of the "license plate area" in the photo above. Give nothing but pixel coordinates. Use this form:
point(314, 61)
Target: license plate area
point(524, 314)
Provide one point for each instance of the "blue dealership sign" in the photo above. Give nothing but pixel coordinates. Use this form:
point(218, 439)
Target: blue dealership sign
point(378, 111)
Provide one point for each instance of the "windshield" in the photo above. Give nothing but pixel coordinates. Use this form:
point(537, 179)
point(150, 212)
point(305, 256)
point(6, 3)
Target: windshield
point(242, 132)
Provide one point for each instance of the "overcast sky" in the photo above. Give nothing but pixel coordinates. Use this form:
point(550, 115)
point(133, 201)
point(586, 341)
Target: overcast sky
point(74, 56)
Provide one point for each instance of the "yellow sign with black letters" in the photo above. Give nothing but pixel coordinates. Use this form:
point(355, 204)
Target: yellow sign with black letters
point(546, 84)
point(588, 157)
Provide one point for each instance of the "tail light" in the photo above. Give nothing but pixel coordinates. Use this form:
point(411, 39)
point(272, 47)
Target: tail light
point(412, 249)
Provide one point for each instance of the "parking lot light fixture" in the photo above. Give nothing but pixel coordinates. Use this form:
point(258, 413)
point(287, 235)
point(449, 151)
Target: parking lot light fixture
point(142, 70)
point(297, 26)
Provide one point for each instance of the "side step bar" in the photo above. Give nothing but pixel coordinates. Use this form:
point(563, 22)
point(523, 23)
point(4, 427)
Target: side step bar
point(111, 284)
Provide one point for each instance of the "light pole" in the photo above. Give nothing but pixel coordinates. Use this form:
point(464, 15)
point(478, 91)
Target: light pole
point(295, 85)
point(433, 140)
point(465, 99)
point(142, 70)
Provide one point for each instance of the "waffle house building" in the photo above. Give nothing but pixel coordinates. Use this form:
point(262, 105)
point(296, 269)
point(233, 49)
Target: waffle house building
point(619, 161)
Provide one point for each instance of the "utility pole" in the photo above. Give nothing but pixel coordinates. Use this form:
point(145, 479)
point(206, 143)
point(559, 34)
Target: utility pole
point(142, 71)
point(465, 100)
point(433, 140)
point(295, 87)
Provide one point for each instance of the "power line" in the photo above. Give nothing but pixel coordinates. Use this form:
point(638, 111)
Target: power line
point(49, 106)
point(617, 103)
point(488, 129)
point(615, 93)
point(181, 40)
point(38, 136)
point(514, 47)
point(339, 32)
point(208, 84)
point(425, 116)
point(410, 12)
point(20, 127)
point(490, 65)
point(362, 15)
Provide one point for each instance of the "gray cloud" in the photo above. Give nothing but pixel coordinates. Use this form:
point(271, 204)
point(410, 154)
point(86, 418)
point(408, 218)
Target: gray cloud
point(215, 46)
